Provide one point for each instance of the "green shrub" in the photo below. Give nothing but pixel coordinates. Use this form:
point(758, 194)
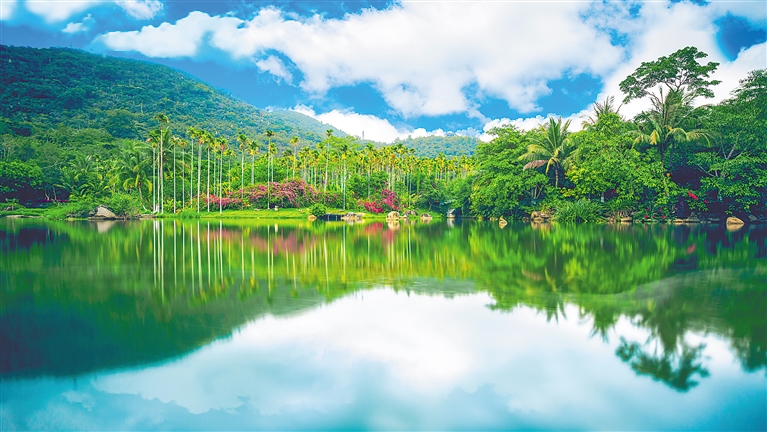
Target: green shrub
point(577, 211)
point(188, 214)
point(123, 204)
point(318, 209)
point(77, 209)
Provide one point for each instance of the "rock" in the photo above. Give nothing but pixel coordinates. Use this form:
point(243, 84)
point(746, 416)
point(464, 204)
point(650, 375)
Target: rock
point(101, 212)
point(312, 218)
point(502, 223)
point(752, 218)
point(682, 209)
point(392, 215)
point(409, 213)
point(732, 220)
point(425, 217)
point(626, 220)
point(351, 216)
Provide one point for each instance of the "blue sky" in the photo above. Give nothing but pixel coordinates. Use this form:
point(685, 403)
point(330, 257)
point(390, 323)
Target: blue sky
point(394, 69)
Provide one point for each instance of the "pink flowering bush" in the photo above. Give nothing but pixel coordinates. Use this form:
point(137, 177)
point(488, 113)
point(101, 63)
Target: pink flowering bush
point(372, 206)
point(290, 194)
point(388, 202)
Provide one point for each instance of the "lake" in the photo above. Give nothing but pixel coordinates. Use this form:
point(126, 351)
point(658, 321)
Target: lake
point(442, 325)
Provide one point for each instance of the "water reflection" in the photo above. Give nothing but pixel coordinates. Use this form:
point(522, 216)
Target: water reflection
point(80, 297)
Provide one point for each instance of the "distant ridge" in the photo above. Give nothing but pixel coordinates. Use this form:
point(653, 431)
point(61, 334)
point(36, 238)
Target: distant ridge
point(48, 88)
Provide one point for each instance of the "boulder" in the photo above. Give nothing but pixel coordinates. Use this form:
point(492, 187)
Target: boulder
point(732, 220)
point(312, 218)
point(425, 217)
point(351, 216)
point(392, 215)
point(409, 213)
point(102, 212)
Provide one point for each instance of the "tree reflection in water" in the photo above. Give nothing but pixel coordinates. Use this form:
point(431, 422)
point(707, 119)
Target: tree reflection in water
point(145, 291)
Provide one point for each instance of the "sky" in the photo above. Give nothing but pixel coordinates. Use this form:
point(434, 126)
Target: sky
point(392, 69)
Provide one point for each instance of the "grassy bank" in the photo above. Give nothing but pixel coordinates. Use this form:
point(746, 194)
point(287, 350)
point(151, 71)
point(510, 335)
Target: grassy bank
point(81, 210)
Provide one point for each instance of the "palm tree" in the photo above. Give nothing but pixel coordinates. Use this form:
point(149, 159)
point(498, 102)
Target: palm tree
point(661, 125)
point(177, 142)
point(132, 166)
point(601, 109)
point(164, 137)
point(553, 150)
point(329, 134)
point(269, 174)
point(184, 145)
point(294, 141)
point(243, 140)
point(253, 150)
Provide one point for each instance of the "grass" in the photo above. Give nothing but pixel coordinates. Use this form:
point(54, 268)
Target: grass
point(80, 210)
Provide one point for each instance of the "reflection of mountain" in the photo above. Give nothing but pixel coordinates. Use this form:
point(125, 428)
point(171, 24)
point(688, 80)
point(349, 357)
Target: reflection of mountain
point(76, 298)
point(67, 336)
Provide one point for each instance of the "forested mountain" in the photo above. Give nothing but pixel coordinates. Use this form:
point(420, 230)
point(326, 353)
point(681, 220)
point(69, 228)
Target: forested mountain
point(52, 88)
point(431, 146)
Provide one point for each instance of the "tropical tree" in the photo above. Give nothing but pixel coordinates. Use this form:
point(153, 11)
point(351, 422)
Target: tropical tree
point(662, 124)
point(243, 140)
point(269, 172)
point(294, 141)
point(553, 150)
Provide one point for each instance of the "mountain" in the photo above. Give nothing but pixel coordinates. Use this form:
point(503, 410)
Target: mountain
point(49, 88)
point(451, 145)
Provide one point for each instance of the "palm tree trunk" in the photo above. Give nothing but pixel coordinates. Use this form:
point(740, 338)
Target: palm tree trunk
point(207, 190)
point(199, 175)
point(174, 179)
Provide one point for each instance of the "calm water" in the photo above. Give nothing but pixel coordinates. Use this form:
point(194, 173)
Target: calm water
point(245, 325)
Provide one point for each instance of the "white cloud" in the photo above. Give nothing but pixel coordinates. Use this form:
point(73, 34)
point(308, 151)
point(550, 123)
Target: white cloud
point(530, 123)
point(372, 127)
point(436, 58)
point(662, 29)
point(183, 39)
point(79, 27)
point(7, 9)
point(140, 9)
point(420, 56)
point(57, 11)
point(274, 66)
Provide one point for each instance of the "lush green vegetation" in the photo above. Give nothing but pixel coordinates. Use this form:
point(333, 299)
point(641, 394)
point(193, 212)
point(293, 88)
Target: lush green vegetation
point(143, 138)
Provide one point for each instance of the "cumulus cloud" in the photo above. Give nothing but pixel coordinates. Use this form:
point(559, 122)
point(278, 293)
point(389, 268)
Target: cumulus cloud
point(183, 39)
point(661, 29)
point(369, 126)
point(529, 123)
point(421, 56)
point(439, 58)
point(58, 11)
point(80, 27)
point(140, 9)
point(7, 9)
point(274, 66)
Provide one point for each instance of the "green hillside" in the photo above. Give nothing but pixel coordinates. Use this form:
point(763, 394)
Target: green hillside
point(431, 146)
point(52, 88)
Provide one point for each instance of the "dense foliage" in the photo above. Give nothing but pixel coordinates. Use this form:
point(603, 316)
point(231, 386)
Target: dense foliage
point(80, 127)
point(450, 145)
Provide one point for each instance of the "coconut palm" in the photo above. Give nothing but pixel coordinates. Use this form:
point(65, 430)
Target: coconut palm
point(294, 141)
point(661, 125)
point(554, 149)
point(243, 140)
point(132, 169)
point(163, 138)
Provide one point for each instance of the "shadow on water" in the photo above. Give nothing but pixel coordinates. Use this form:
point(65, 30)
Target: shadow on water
point(81, 297)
